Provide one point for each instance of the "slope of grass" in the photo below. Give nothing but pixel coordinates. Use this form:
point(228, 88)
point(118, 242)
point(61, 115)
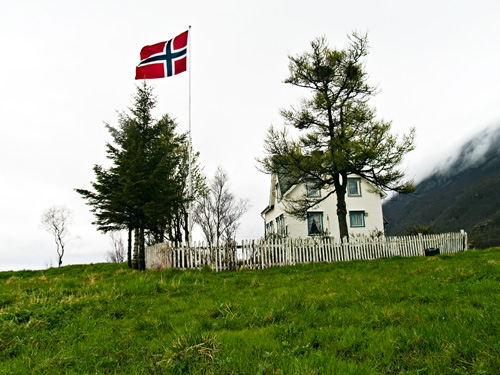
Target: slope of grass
point(434, 315)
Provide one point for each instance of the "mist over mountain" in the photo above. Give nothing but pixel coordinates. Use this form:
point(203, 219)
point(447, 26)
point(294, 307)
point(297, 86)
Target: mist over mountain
point(461, 193)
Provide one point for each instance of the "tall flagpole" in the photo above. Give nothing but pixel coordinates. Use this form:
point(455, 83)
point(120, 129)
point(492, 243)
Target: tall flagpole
point(190, 177)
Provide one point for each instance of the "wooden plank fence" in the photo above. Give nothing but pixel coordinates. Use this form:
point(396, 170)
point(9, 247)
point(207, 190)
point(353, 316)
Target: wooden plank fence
point(284, 252)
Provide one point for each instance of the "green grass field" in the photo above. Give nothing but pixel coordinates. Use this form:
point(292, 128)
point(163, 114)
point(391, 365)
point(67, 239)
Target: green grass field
point(424, 315)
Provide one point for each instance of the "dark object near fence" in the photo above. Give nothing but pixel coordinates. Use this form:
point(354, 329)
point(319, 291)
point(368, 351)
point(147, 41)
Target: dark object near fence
point(431, 251)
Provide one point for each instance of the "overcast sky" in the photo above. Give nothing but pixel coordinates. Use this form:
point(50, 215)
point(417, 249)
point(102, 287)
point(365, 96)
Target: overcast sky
point(69, 66)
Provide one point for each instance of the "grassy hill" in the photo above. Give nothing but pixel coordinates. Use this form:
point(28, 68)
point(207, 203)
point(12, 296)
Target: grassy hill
point(424, 315)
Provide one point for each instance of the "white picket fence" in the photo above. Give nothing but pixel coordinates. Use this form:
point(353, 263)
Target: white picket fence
point(284, 252)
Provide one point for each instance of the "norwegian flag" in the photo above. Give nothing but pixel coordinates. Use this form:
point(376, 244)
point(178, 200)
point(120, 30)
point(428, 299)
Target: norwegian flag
point(163, 59)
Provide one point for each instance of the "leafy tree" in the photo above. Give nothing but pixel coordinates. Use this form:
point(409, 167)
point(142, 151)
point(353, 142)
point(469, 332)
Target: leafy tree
point(218, 212)
point(179, 228)
point(56, 220)
point(339, 134)
point(143, 191)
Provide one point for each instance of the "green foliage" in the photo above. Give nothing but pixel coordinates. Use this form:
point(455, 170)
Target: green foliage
point(145, 189)
point(340, 134)
point(432, 315)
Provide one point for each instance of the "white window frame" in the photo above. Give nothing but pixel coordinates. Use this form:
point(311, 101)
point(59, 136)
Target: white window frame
point(310, 217)
point(280, 226)
point(270, 227)
point(356, 181)
point(357, 219)
point(311, 190)
point(278, 192)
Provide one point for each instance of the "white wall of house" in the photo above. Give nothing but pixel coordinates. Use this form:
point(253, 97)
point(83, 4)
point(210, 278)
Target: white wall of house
point(364, 208)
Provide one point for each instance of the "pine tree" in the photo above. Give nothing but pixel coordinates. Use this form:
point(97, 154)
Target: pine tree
point(339, 132)
point(143, 191)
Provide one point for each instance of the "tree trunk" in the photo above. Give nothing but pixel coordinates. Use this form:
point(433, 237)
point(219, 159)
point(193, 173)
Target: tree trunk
point(342, 216)
point(340, 183)
point(186, 228)
point(135, 260)
point(129, 248)
point(178, 234)
point(142, 250)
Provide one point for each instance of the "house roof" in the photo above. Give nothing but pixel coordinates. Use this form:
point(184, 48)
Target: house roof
point(285, 183)
point(267, 209)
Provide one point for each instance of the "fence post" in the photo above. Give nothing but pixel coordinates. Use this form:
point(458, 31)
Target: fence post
point(253, 255)
point(421, 243)
point(345, 246)
point(465, 245)
point(262, 250)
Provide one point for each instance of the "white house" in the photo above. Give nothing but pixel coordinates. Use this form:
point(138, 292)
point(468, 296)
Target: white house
point(364, 207)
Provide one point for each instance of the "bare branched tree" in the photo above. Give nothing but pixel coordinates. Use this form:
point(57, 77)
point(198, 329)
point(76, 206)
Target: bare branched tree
point(56, 220)
point(218, 212)
point(117, 253)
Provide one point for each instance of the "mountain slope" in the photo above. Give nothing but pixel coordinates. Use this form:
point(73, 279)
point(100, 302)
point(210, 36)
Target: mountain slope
point(461, 195)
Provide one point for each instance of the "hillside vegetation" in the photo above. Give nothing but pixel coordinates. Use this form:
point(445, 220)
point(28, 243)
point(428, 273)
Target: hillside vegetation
point(422, 315)
point(462, 196)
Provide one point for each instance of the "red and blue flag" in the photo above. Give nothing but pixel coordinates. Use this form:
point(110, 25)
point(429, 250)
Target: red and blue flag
point(163, 59)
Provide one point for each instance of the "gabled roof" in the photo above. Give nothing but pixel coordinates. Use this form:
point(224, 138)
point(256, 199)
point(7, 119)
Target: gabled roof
point(267, 209)
point(285, 183)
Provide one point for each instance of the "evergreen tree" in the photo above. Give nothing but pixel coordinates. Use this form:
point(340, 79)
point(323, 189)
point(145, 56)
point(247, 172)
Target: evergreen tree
point(143, 191)
point(339, 134)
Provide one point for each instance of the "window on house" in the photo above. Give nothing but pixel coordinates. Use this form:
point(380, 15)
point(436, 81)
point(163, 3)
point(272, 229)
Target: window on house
point(354, 187)
point(280, 226)
point(312, 190)
point(270, 228)
point(315, 223)
point(357, 219)
point(278, 192)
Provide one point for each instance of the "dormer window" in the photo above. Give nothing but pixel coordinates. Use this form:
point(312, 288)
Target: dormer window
point(312, 190)
point(278, 192)
point(354, 187)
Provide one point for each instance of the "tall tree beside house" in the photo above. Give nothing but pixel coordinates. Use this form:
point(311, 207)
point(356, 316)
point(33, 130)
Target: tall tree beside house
point(143, 190)
point(339, 132)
